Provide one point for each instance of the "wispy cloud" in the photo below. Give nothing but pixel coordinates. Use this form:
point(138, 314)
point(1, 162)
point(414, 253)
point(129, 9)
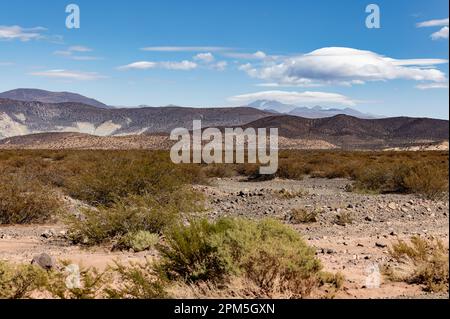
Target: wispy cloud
point(69, 75)
point(442, 33)
point(19, 33)
point(344, 66)
point(6, 63)
point(77, 53)
point(443, 85)
point(168, 65)
point(433, 23)
point(258, 55)
point(185, 49)
point(294, 98)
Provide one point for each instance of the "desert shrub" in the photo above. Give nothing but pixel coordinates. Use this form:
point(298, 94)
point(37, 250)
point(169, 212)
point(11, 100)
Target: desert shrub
point(24, 201)
point(303, 216)
point(291, 170)
point(336, 280)
point(343, 218)
point(424, 179)
point(427, 263)
point(20, 281)
point(129, 215)
point(138, 241)
point(189, 254)
point(219, 170)
point(289, 194)
point(136, 281)
point(92, 283)
point(101, 182)
point(265, 252)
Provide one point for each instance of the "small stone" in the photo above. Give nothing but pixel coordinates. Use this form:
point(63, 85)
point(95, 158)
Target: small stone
point(48, 234)
point(392, 205)
point(44, 261)
point(380, 245)
point(368, 218)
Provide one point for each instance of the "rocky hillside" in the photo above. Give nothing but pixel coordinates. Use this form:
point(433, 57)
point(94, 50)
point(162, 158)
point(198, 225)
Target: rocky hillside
point(349, 131)
point(21, 118)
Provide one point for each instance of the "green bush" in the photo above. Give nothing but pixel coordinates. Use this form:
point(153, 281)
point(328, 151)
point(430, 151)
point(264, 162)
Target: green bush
point(24, 201)
point(266, 252)
point(138, 241)
point(130, 215)
point(136, 281)
point(20, 281)
point(105, 180)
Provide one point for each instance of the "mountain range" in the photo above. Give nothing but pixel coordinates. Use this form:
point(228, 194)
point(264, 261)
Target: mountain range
point(43, 96)
point(22, 114)
point(307, 112)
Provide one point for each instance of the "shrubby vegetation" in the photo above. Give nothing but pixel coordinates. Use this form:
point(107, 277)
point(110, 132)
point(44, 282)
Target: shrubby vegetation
point(270, 255)
point(128, 216)
point(271, 258)
point(24, 201)
point(424, 262)
point(140, 200)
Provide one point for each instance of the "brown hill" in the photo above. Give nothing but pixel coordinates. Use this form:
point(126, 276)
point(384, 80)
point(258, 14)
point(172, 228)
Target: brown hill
point(348, 131)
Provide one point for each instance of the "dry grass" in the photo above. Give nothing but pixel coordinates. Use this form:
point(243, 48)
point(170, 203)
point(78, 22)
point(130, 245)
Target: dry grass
point(343, 218)
point(423, 261)
point(304, 216)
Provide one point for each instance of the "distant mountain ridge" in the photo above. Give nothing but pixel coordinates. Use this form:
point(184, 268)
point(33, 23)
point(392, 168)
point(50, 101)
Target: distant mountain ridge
point(22, 118)
point(36, 95)
point(307, 112)
point(348, 131)
point(19, 118)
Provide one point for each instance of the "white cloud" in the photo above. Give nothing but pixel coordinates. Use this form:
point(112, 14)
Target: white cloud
point(183, 65)
point(443, 85)
point(259, 55)
point(185, 49)
point(168, 65)
point(69, 75)
point(345, 66)
point(204, 57)
point(79, 48)
point(75, 53)
point(220, 66)
point(433, 23)
point(295, 98)
point(18, 33)
point(441, 34)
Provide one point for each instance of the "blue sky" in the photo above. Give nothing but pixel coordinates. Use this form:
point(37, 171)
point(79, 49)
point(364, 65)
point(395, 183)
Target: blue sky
point(220, 53)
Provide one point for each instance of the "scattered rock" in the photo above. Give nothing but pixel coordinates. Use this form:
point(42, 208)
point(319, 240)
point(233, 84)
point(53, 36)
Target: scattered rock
point(44, 261)
point(380, 245)
point(49, 233)
point(392, 205)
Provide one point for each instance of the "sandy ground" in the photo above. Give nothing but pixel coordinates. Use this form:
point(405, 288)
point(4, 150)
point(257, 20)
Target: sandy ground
point(355, 249)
